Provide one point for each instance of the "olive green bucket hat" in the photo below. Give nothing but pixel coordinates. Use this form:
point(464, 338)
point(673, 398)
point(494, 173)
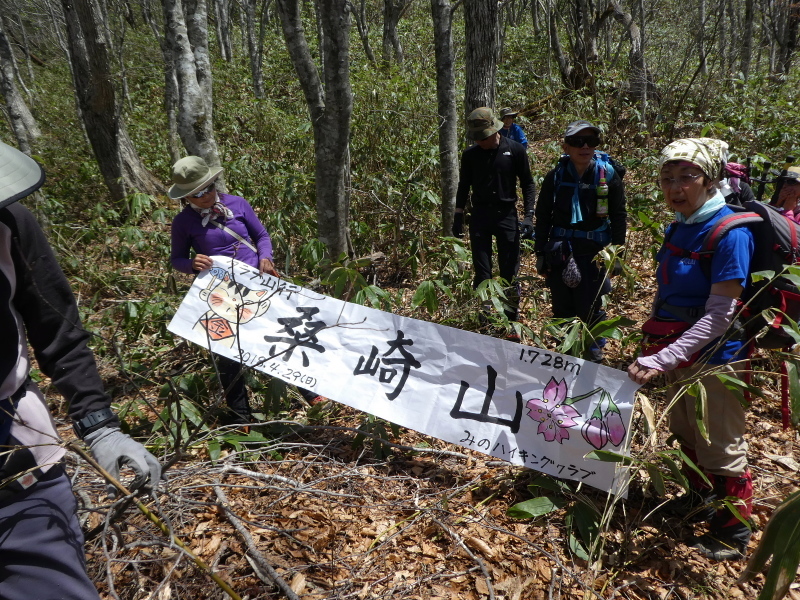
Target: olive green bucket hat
point(190, 175)
point(20, 175)
point(481, 123)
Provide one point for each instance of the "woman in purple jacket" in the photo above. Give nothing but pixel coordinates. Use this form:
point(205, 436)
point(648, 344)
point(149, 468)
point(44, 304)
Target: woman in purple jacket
point(212, 223)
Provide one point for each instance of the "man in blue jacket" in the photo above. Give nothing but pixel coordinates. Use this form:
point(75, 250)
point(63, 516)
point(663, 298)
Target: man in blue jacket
point(41, 543)
point(489, 171)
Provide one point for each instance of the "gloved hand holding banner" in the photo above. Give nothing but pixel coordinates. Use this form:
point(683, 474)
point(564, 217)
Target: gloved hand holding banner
point(527, 406)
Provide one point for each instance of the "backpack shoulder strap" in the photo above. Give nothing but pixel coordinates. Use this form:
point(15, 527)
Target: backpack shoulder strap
point(724, 225)
point(719, 230)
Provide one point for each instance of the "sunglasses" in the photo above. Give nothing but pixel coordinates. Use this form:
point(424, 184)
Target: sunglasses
point(578, 141)
point(791, 182)
point(202, 193)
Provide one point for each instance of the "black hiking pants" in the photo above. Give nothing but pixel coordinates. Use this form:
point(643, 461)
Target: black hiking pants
point(584, 301)
point(500, 222)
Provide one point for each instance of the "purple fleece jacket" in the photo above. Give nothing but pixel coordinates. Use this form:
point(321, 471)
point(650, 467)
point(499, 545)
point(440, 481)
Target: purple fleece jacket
point(189, 234)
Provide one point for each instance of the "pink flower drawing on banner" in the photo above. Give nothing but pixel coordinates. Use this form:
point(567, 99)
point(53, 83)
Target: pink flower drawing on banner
point(554, 416)
point(595, 432)
point(605, 424)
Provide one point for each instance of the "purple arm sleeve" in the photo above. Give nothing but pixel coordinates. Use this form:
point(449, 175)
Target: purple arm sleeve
point(179, 256)
point(719, 314)
point(257, 232)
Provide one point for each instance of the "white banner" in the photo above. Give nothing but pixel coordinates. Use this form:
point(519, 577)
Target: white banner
point(527, 406)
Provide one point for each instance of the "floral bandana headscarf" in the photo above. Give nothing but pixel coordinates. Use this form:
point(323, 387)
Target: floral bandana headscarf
point(707, 153)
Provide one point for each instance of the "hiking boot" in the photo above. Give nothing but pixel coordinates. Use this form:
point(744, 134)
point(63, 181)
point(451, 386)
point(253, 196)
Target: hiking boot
point(691, 506)
point(514, 337)
point(595, 352)
point(236, 417)
point(728, 536)
point(729, 543)
point(695, 505)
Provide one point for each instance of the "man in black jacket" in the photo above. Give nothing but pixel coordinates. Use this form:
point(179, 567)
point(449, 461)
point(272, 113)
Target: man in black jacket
point(490, 169)
point(41, 544)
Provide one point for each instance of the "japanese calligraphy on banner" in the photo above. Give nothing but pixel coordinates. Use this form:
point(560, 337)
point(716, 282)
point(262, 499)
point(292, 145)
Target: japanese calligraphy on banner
point(521, 404)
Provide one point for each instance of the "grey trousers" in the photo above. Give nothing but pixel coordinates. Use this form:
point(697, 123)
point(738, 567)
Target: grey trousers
point(41, 544)
point(725, 453)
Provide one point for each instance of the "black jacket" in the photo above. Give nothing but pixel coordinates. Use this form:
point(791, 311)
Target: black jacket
point(44, 301)
point(492, 176)
point(554, 209)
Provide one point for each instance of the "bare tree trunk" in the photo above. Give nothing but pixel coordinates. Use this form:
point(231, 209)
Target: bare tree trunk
point(747, 40)
point(262, 32)
point(363, 27)
point(481, 28)
point(26, 49)
point(192, 70)
point(24, 126)
point(174, 146)
point(330, 103)
point(254, 49)
point(5, 24)
point(565, 68)
point(116, 156)
point(536, 12)
point(393, 10)
point(640, 79)
point(789, 41)
point(701, 36)
point(222, 10)
point(442, 13)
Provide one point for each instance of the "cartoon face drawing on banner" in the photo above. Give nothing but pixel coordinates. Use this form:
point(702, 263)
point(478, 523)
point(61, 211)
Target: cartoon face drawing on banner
point(232, 304)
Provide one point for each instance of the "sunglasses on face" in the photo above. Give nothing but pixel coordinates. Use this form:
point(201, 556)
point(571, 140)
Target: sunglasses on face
point(792, 182)
point(202, 193)
point(578, 141)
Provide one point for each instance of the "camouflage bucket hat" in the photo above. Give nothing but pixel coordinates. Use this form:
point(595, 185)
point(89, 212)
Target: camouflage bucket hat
point(481, 123)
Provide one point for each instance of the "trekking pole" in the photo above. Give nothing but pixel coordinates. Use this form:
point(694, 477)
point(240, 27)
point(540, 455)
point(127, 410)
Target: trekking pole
point(762, 181)
point(781, 178)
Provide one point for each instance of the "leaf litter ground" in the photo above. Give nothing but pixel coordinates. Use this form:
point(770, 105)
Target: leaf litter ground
point(428, 520)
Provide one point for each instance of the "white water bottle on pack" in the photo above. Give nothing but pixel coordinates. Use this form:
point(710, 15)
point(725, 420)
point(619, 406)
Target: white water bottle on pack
point(602, 195)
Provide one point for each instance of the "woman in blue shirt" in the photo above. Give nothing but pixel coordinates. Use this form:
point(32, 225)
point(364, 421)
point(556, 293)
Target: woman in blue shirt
point(690, 171)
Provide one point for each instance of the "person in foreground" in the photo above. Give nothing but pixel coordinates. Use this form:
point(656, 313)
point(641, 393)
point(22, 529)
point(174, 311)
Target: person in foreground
point(213, 223)
point(41, 543)
point(580, 209)
point(695, 307)
point(490, 170)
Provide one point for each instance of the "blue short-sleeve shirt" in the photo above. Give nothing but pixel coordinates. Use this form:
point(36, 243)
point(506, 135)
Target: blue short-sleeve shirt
point(682, 282)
